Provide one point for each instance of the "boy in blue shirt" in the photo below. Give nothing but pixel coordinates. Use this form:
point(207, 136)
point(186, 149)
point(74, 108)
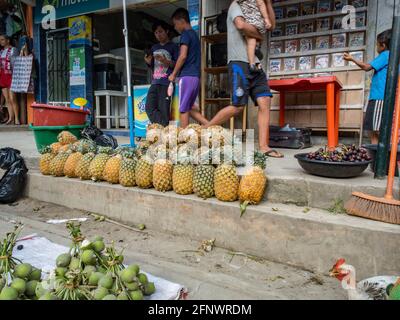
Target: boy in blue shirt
point(373, 112)
point(187, 68)
point(161, 59)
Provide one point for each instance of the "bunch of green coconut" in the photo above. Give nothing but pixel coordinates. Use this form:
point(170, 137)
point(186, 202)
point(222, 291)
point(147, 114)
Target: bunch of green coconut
point(89, 271)
point(17, 280)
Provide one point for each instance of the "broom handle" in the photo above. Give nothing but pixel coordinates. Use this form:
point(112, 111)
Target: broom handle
point(395, 141)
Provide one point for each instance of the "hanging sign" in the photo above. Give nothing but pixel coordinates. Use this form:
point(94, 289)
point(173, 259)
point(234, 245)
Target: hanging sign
point(80, 31)
point(22, 75)
point(69, 8)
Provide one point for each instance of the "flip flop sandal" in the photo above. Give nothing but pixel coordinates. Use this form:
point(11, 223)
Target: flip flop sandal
point(269, 154)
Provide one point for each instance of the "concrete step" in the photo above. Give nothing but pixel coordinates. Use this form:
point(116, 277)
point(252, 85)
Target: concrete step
point(13, 128)
point(311, 239)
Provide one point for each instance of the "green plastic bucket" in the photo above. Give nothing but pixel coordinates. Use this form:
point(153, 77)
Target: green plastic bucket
point(45, 136)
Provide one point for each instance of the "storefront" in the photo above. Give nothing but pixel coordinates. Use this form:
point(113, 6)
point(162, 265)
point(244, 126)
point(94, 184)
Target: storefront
point(309, 41)
point(84, 56)
point(16, 21)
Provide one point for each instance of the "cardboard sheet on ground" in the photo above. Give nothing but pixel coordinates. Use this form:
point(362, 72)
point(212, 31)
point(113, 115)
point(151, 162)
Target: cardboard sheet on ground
point(42, 253)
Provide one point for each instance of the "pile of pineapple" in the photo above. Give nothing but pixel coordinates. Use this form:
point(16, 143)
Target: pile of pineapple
point(186, 161)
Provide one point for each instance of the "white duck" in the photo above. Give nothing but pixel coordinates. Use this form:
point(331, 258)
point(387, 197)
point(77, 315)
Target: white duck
point(368, 289)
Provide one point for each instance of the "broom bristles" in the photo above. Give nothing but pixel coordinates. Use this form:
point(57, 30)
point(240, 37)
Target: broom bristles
point(379, 209)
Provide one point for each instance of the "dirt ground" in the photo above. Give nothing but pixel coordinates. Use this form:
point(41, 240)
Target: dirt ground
point(218, 274)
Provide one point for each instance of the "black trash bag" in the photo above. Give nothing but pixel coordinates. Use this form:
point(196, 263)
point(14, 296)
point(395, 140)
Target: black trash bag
point(91, 133)
point(8, 156)
point(106, 140)
point(13, 183)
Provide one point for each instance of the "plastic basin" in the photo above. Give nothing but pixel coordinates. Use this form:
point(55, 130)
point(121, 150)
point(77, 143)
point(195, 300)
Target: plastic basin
point(45, 136)
point(45, 115)
point(338, 170)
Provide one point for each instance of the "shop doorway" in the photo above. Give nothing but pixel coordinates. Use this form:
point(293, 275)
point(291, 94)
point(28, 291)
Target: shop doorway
point(58, 66)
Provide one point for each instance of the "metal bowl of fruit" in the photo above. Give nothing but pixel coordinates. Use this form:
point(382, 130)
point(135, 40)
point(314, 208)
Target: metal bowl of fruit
point(342, 163)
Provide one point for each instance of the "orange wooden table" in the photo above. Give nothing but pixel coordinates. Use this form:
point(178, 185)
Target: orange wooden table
point(330, 84)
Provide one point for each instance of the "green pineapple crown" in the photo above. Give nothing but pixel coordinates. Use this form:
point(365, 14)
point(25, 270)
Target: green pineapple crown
point(86, 146)
point(260, 160)
point(106, 150)
point(45, 150)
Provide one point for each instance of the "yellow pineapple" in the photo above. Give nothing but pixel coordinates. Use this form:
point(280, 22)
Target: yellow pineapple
point(66, 137)
point(127, 169)
point(58, 163)
point(98, 164)
point(191, 135)
point(55, 147)
point(253, 184)
point(226, 183)
point(162, 175)
point(144, 173)
point(82, 168)
point(71, 164)
point(154, 132)
point(203, 181)
point(182, 179)
point(111, 170)
point(45, 160)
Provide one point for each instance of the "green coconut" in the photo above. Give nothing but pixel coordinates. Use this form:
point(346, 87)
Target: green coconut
point(23, 270)
point(123, 296)
point(94, 278)
point(128, 275)
point(60, 272)
point(89, 257)
point(19, 285)
point(100, 293)
point(36, 274)
point(98, 246)
point(40, 291)
point(48, 296)
point(142, 278)
point(110, 297)
point(31, 288)
point(136, 295)
point(149, 289)
point(75, 264)
point(8, 293)
point(63, 260)
point(98, 238)
point(135, 268)
point(106, 282)
point(133, 286)
point(88, 270)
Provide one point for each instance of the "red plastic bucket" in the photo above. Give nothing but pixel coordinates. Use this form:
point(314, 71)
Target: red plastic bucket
point(46, 115)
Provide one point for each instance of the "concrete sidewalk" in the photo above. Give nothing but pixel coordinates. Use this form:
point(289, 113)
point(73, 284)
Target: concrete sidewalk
point(288, 183)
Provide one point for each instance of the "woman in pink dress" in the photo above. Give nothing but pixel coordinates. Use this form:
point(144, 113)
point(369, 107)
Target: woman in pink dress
point(7, 55)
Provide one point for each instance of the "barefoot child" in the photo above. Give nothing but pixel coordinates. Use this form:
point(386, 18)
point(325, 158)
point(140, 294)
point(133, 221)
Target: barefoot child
point(256, 13)
point(187, 68)
point(373, 112)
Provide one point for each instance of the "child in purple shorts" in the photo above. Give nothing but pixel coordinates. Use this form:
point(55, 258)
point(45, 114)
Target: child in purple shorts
point(187, 68)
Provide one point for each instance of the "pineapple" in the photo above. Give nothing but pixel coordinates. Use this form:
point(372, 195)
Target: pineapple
point(98, 164)
point(82, 168)
point(66, 148)
point(144, 173)
point(253, 184)
point(86, 146)
point(45, 160)
point(127, 169)
point(162, 175)
point(191, 135)
point(226, 183)
point(55, 147)
point(71, 164)
point(182, 179)
point(169, 136)
point(58, 163)
point(111, 170)
point(217, 136)
point(142, 149)
point(154, 132)
point(66, 137)
point(203, 181)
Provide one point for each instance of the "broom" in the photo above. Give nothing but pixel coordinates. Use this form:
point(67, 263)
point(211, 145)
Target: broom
point(385, 209)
